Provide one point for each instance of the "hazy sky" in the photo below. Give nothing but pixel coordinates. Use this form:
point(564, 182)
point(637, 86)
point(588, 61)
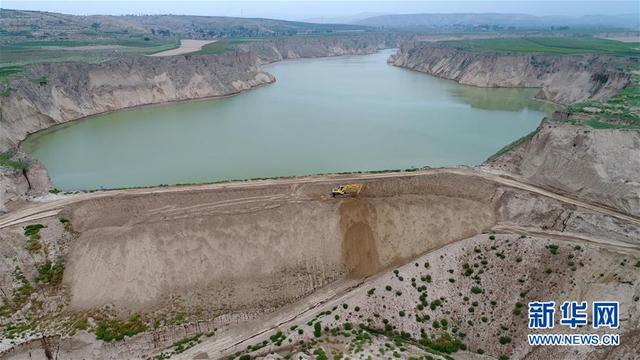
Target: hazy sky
point(300, 10)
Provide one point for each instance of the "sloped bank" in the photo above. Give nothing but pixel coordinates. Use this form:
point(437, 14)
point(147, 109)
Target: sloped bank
point(562, 79)
point(598, 165)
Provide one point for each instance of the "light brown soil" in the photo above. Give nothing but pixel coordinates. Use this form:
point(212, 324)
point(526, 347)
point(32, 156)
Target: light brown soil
point(186, 46)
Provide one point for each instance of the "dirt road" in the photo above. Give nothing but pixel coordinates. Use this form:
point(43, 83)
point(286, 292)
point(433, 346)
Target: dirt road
point(46, 208)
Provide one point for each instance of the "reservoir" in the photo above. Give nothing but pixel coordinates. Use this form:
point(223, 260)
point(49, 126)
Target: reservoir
point(323, 115)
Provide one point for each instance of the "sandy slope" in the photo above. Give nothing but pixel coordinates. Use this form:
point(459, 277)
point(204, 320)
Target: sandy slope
point(186, 46)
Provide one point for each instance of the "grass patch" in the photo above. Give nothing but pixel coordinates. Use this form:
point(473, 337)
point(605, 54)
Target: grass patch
point(621, 111)
point(33, 233)
point(185, 343)
point(109, 330)
point(513, 145)
point(220, 46)
point(7, 161)
point(6, 71)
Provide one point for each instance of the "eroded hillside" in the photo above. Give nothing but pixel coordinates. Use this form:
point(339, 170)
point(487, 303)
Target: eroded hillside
point(562, 79)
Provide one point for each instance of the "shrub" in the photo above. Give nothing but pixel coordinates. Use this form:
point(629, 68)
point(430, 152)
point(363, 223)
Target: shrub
point(49, 273)
point(435, 303)
point(476, 290)
point(317, 329)
point(444, 343)
point(492, 237)
point(320, 354)
point(426, 264)
point(371, 291)
point(401, 313)
point(504, 340)
point(553, 248)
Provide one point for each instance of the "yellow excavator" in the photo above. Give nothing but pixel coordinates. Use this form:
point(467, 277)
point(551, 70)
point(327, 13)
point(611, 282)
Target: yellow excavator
point(347, 190)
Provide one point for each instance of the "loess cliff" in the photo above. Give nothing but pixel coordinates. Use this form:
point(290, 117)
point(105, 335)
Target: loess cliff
point(310, 47)
point(50, 94)
point(598, 165)
point(562, 79)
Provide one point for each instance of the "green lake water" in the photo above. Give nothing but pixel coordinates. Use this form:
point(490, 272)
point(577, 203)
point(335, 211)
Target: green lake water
point(322, 115)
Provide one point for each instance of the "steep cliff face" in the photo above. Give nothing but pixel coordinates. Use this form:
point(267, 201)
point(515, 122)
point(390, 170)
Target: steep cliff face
point(310, 47)
point(599, 165)
point(48, 94)
point(562, 79)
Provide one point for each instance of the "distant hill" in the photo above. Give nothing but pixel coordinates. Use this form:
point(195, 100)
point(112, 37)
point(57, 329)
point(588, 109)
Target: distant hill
point(39, 25)
point(493, 21)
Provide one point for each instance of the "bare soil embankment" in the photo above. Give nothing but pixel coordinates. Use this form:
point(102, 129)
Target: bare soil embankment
point(598, 165)
point(562, 79)
point(260, 247)
point(206, 251)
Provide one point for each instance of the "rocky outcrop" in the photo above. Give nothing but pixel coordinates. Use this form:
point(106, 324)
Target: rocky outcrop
point(562, 79)
point(309, 47)
point(49, 94)
point(598, 165)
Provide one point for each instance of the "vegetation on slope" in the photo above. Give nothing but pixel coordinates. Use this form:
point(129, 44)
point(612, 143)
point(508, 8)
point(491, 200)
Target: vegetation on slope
point(551, 45)
point(622, 111)
point(220, 46)
point(7, 161)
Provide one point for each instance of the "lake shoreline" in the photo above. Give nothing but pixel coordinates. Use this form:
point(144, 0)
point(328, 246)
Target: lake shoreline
point(312, 97)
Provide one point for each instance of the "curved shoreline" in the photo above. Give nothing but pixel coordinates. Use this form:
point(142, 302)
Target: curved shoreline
point(62, 125)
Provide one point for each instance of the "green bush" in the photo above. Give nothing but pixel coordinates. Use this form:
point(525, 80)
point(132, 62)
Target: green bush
point(553, 248)
point(108, 330)
point(51, 273)
point(320, 354)
point(476, 290)
point(444, 343)
point(317, 329)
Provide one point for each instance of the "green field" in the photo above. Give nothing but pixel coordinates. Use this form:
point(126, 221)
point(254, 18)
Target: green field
point(16, 54)
point(551, 45)
point(220, 46)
